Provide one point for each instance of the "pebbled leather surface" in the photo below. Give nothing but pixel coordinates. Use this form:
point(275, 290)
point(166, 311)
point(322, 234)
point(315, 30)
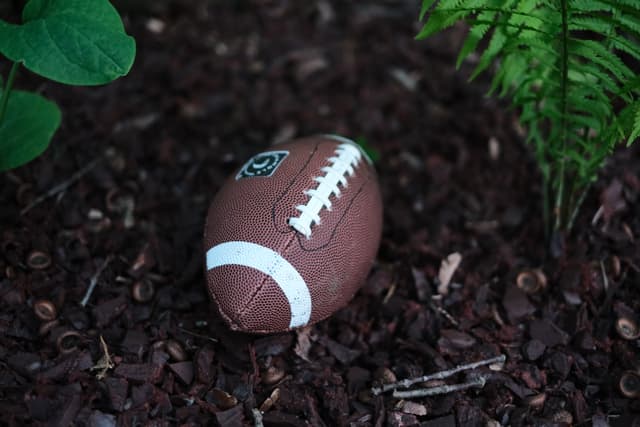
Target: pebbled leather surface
point(334, 261)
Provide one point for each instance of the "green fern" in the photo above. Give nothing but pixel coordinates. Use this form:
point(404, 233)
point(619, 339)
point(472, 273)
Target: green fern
point(568, 67)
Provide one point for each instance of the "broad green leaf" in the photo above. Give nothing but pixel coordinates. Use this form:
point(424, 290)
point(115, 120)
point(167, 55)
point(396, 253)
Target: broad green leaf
point(27, 128)
point(78, 42)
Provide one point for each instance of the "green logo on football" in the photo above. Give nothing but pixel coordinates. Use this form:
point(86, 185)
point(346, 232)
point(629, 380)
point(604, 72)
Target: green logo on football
point(263, 164)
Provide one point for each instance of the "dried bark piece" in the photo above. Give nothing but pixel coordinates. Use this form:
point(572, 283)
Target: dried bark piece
point(184, 371)
point(70, 399)
point(67, 365)
point(453, 338)
point(282, 419)
point(548, 333)
point(517, 304)
point(272, 375)
point(270, 401)
point(273, 345)
point(222, 399)
point(560, 363)
point(27, 364)
point(142, 395)
point(414, 408)
point(303, 343)
point(205, 370)
point(142, 372)
point(233, 417)
point(108, 311)
point(175, 350)
point(357, 379)
point(344, 354)
point(532, 376)
point(533, 349)
point(400, 419)
point(446, 421)
point(117, 389)
point(135, 342)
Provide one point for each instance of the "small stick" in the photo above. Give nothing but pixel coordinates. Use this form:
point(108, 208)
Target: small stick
point(478, 381)
point(204, 337)
point(94, 280)
point(105, 363)
point(446, 314)
point(605, 280)
point(408, 382)
point(61, 187)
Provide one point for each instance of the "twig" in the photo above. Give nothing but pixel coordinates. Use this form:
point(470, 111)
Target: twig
point(597, 216)
point(446, 314)
point(390, 292)
point(478, 381)
point(105, 363)
point(188, 332)
point(61, 187)
point(94, 280)
point(605, 280)
point(408, 382)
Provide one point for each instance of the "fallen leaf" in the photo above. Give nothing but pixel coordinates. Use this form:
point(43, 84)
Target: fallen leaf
point(303, 344)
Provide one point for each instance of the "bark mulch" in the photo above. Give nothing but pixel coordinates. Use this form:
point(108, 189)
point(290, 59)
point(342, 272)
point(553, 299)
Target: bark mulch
point(119, 200)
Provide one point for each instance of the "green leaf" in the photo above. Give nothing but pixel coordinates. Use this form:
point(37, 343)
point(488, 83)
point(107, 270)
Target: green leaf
point(373, 154)
point(78, 42)
point(426, 5)
point(27, 128)
point(635, 130)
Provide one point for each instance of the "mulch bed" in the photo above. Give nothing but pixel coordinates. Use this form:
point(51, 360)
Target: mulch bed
point(140, 159)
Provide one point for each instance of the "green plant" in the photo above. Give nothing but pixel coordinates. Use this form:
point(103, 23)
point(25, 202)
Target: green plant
point(76, 42)
point(569, 67)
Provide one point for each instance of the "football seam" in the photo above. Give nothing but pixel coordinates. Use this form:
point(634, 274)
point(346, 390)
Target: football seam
point(302, 239)
point(343, 164)
point(288, 229)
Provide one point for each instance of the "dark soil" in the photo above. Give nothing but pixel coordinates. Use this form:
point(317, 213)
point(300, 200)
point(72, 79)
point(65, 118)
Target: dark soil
point(215, 82)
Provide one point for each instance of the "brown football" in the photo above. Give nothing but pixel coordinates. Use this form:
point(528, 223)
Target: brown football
point(292, 235)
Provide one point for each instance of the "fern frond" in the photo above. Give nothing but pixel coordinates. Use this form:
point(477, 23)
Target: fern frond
point(567, 66)
point(635, 126)
point(582, 72)
point(591, 50)
point(590, 23)
point(627, 6)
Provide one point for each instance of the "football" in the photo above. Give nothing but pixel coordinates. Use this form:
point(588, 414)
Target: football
point(291, 236)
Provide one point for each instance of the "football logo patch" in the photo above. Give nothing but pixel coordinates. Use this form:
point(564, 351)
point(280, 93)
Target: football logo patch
point(263, 164)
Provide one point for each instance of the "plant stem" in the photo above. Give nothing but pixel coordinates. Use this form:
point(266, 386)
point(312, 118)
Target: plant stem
point(545, 208)
point(564, 87)
point(576, 206)
point(6, 90)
